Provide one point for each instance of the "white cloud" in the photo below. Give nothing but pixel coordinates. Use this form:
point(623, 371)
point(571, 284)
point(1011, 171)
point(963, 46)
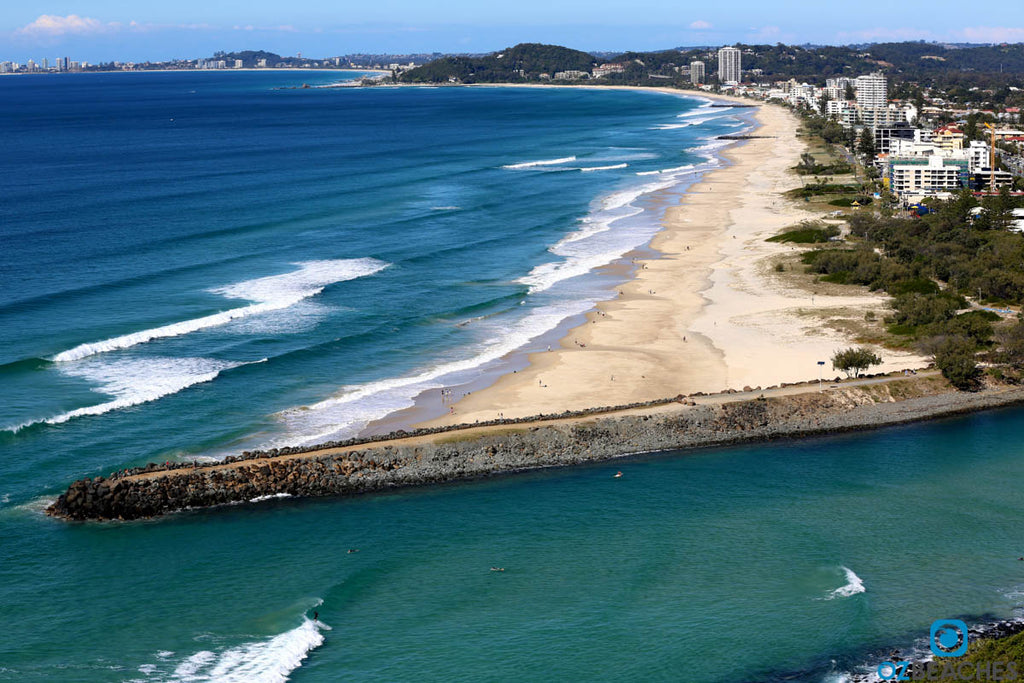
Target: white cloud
point(284, 28)
point(51, 26)
point(700, 25)
point(993, 34)
point(884, 35)
point(770, 34)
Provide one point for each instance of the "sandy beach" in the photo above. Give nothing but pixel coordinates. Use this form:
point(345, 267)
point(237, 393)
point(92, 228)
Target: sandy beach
point(704, 314)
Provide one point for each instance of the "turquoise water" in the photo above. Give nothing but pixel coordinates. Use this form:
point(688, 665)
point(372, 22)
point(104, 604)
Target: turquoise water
point(716, 566)
point(192, 264)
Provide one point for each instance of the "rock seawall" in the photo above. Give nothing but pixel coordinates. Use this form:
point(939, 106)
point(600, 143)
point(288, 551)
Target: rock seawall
point(470, 452)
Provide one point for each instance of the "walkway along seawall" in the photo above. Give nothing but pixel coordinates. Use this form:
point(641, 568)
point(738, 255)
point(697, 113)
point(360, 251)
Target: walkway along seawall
point(472, 451)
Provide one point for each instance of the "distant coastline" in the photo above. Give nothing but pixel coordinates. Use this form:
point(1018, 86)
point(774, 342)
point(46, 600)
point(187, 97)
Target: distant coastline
point(193, 71)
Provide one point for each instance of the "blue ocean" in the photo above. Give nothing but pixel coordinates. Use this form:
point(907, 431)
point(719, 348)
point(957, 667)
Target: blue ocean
point(192, 264)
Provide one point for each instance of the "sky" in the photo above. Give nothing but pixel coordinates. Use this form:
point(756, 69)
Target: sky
point(109, 30)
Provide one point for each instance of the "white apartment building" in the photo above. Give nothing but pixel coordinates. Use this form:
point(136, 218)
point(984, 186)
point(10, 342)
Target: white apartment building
point(697, 72)
point(729, 65)
point(978, 155)
point(605, 69)
point(928, 176)
point(872, 92)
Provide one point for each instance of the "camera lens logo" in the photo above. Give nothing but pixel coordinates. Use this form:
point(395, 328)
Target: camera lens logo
point(948, 638)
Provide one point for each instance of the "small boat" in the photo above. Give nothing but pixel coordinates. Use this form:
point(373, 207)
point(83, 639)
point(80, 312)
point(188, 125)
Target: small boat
point(618, 475)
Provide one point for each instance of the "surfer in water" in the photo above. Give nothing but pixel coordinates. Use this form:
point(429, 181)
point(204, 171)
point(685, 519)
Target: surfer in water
point(316, 616)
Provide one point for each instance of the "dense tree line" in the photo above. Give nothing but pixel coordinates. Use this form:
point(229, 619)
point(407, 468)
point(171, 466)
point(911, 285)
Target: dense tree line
point(930, 265)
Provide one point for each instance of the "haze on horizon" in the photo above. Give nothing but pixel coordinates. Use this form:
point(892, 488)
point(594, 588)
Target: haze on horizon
point(107, 30)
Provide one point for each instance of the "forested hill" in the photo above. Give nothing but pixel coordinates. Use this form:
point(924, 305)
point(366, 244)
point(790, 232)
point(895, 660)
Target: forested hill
point(519, 64)
point(928, 63)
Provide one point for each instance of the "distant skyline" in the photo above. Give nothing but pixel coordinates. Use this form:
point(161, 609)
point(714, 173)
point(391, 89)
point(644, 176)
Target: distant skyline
point(106, 30)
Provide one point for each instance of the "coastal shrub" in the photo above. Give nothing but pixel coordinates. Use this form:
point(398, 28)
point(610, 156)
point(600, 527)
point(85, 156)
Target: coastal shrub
point(840, 278)
point(1011, 342)
point(854, 360)
point(955, 357)
point(861, 266)
point(809, 233)
point(917, 285)
point(820, 188)
point(973, 325)
point(923, 309)
point(848, 201)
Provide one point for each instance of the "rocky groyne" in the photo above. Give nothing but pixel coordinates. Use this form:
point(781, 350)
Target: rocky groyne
point(471, 451)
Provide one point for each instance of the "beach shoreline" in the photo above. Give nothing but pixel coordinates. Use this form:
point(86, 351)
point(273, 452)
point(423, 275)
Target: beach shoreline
point(699, 314)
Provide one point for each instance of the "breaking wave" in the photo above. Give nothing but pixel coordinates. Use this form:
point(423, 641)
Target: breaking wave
point(272, 293)
point(534, 164)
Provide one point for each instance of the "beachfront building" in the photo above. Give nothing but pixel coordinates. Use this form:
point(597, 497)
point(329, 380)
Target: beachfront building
point(927, 176)
point(949, 138)
point(605, 69)
point(697, 72)
point(729, 65)
point(885, 134)
point(872, 92)
point(571, 75)
point(872, 101)
point(978, 155)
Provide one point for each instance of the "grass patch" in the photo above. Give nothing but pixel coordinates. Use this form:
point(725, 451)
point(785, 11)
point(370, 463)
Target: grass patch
point(807, 234)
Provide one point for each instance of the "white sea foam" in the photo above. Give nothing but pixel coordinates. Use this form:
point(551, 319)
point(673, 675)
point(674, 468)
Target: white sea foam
point(543, 162)
point(272, 496)
point(358, 405)
point(854, 585)
point(677, 169)
point(546, 275)
point(262, 661)
point(587, 169)
point(701, 110)
point(694, 121)
point(133, 381)
point(271, 293)
point(710, 147)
